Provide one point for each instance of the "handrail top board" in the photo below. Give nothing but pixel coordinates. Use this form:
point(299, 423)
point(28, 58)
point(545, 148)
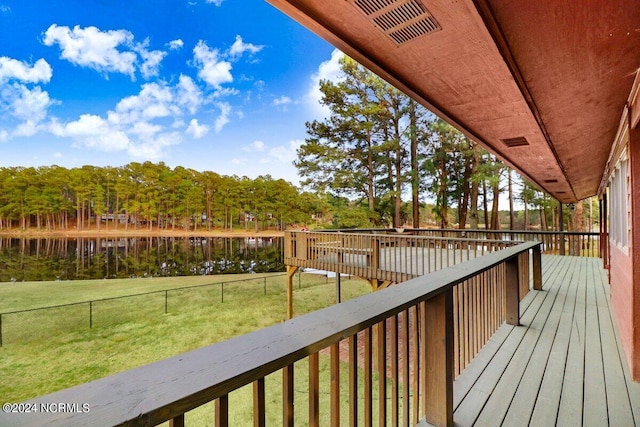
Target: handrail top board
point(408, 231)
point(406, 236)
point(157, 392)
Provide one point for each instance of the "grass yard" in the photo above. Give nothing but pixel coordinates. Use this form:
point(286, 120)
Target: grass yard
point(44, 353)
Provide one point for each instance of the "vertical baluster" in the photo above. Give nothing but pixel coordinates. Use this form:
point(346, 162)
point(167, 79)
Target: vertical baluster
point(416, 364)
point(353, 381)
point(381, 353)
point(335, 385)
point(177, 421)
point(405, 369)
point(259, 410)
point(456, 328)
point(368, 380)
point(395, 403)
point(222, 411)
point(287, 395)
point(314, 390)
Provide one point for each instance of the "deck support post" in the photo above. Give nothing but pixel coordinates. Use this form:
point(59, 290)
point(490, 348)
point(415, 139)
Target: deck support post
point(439, 359)
point(537, 268)
point(512, 291)
point(291, 271)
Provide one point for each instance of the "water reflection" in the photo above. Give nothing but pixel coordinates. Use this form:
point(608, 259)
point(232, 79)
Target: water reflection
point(116, 257)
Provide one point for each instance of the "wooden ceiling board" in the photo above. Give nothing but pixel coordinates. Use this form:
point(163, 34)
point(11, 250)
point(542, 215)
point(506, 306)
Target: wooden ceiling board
point(502, 69)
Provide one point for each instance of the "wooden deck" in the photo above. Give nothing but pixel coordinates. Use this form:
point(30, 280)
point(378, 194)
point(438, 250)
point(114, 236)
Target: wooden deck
point(563, 366)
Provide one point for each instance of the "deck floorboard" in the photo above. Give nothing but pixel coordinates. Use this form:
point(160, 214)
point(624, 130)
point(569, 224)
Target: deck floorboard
point(562, 366)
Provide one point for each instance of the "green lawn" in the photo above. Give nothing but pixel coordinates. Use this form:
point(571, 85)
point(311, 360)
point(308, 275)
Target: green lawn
point(49, 350)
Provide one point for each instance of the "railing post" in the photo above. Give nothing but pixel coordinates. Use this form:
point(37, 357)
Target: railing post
point(537, 268)
point(375, 254)
point(512, 292)
point(439, 359)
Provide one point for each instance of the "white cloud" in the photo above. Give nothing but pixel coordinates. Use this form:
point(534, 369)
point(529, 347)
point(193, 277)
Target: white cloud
point(150, 60)
point(112, 51)
point(176, 44)
point(254, 146)
point(93, 48)
point(4, 8)
point(197, 130)
point(215, 2)
point(142, 125)
point(238, 161)
point(283, 100)
point(238, 48)
point(24, 103)
point(12, 69)
point(223, 118)
point(189, 95)
point(211, 68)
point(286, 153)
point(4, 135)
point(328, 70)
point(155, 100)
point(57, 155)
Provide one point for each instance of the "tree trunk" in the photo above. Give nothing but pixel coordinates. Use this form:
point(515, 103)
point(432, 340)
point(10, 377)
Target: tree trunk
point(495, 213)
point(415, 179)
point(485, 204)
point(511, 214)
point(578, 225)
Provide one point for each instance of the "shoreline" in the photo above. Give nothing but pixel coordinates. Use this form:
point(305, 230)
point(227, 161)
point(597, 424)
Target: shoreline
point(30, 233)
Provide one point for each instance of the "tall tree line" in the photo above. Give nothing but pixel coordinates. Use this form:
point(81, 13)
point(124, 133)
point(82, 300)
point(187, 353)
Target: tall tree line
point(146, 195)
point(377, 145)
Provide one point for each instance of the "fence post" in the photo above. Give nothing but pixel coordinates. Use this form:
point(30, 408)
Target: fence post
point(265, 285)
point(0, 329)
point(166, 301)
point(90, 314)
point(222, 292)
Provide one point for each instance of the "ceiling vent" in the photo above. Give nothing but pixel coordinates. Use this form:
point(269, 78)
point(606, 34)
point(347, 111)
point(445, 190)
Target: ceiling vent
point(401, 20)
point(515, 142)
point(550, 181)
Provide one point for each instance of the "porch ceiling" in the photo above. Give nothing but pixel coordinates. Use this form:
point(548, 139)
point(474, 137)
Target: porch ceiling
point(557, 73)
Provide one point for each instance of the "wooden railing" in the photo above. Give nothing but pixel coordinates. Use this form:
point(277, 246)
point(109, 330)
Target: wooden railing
point(387, 257)
point(407, 342)
point(579, 243)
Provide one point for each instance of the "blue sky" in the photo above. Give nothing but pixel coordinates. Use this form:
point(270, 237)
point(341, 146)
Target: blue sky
point(221, 85)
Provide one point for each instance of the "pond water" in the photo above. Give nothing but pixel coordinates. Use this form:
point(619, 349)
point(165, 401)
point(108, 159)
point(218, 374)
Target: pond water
point(117, 257)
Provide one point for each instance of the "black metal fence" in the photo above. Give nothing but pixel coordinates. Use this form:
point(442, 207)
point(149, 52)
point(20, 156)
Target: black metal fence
point(42, 322)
